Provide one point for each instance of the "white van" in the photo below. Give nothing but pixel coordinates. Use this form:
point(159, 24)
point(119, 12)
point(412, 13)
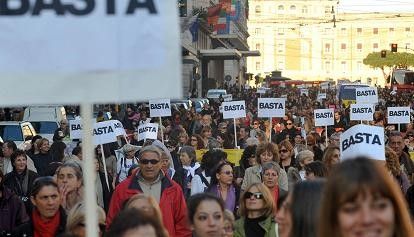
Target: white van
point(215, 93)
point(45, 119)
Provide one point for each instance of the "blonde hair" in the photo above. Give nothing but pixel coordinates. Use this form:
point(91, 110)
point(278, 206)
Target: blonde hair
point(77, 215)
point(269, 203)
point(153, 203)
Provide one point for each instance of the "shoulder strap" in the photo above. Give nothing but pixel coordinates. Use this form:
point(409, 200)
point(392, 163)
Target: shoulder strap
point(203, 179)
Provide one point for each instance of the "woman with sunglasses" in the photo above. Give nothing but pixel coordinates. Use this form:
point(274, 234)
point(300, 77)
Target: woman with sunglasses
point(223, 187)
point(75, 225)
point(256, 210)
point(286, 155)
point(196, 141)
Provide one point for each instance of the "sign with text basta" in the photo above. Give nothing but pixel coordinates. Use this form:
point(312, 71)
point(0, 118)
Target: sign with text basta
point(160, 108)
point(398, 115)
point(271, 107)
point(363, 112)
point(68, 52)
point(363, 140)
point(323, 117)
point(147, 131)
point(366, 95)
point(234, 109)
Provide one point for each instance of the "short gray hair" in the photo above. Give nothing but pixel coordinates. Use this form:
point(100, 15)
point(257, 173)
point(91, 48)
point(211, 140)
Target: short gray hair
point(271, 166)
point(150, 148)
point(303, 155)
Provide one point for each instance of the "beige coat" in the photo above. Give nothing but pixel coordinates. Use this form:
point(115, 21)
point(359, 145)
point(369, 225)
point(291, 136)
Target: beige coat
point(252, 175)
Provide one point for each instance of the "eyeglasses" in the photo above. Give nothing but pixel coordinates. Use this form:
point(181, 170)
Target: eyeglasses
point(227, 172)
point(289, 123)
point(283, 151)
point(146, 162)
point(194, 140)
point(255, 123)
point(248, 195)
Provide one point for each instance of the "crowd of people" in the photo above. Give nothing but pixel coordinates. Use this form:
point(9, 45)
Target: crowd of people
point(287, 183)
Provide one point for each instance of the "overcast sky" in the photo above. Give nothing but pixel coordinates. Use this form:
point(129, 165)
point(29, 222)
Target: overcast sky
point(376, 6)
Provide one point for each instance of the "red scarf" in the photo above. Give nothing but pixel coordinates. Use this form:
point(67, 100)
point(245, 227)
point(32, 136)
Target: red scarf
point(276, 195)
point(45, 228)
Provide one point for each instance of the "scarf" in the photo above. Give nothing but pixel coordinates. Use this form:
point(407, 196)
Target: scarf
point(45, 228)
point(230, 202)
point(276, 194)
point(23, 182)
point(191, 169)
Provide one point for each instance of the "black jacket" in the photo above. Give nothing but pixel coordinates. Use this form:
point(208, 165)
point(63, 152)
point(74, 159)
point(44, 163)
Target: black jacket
point(107, 193)
point(27, 229)
point(41, 162)
point(12, 182)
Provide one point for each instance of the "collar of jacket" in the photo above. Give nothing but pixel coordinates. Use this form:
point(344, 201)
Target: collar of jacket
point(266, 224)
point(134, 185)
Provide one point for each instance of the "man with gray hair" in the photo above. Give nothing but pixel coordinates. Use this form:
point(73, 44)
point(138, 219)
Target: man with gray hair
point(149, 179)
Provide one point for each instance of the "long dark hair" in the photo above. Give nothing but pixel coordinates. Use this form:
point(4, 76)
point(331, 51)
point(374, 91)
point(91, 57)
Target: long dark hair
point(195, 200)
point(305, 205)
point(214, 181)
point(210, 159)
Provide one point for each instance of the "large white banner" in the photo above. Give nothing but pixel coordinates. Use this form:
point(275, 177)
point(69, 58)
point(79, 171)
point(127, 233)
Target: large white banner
point(366, 95)
point(398, 115)
point(362, 112)
point(363, 140)
point(69, 52)
point(234, 109)
point(160, 108)
point(147, 131)
point(324, 117)
point(271, 107)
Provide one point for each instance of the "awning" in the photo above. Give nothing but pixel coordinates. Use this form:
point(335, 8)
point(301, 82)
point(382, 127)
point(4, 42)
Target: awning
point(234, 40)
point(250, 53)
point(223, 54)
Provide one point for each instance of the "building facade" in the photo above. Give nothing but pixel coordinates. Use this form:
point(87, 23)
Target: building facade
point(309, 40)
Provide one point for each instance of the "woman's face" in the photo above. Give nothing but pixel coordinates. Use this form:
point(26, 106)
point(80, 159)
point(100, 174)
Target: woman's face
point(20, 163)
point(225, 176)
point(185, 159)
point(67, 179)
point(368, 215)
point(270, 178)
point(144, 205)
point(183, 139)
point(220, 139)
point(228, 229)
point(208, 220)
point(306, 161)
point(254, 199)
point(47, 201)
point(266, 157)
point(284, 153)
point(207, 134)
point(194, 141)
point(252, 160)
point(284, 217)
point(336, 157)
point(44, 148)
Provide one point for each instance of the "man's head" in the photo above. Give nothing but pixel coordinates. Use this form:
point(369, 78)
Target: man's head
point(396, 142)
point(150, 162)
point(243, 132)
point(337, 115)
point(8, 148)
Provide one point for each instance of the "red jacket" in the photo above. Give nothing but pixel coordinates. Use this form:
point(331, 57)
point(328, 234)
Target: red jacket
point(172, 204)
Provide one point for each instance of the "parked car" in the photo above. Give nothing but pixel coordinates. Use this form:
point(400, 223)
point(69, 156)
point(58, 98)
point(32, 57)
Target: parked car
point(215, 93)
point(17, 131)
point(45, 119)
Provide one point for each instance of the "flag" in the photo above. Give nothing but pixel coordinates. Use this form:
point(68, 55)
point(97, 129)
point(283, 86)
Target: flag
point(194, 30)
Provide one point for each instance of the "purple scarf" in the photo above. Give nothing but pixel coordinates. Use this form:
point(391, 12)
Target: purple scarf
point(230, 202)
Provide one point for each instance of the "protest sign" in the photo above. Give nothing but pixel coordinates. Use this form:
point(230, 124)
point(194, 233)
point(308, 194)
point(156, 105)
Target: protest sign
point(304, 92)
point(160, 108)
point(321, 96)
point(366, 95)
point(75, 129)
point(228, 97)
point(398, 115)
point(363, 140)
point(324, 117)
point(147, 131)
point(324, 85)
point(262, 90)
point(271, 107)
point(234, 109)
point(104, 63)
point(104, 132)
point(363, 112)
point(119, 128)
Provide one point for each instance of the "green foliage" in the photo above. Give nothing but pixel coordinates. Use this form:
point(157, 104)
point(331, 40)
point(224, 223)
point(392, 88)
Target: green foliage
point(392, 60)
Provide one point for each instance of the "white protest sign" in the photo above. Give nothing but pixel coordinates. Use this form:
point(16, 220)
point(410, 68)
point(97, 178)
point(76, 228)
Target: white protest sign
point(104, 132)
point(324, 85)
point(398, 115)
point(366, 95)
point(35, 52)
point(228, 97)
point(262, 90)
point(363, 140)
point(304, 92)
point(301, 86)
point(363, 112)
point(324, 117)
point(321, 96)
point(75, 129)
point(271, 107)
point(119, 128)
point(160, 108)
point(234, 109)
point(147, 131)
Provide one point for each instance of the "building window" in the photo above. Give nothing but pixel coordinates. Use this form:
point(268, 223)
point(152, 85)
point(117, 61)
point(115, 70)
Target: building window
point(258, 47)
point(292, 8)
point(343, 47)
point(359, 65)
point(391, 29)
point(280, 8)
point(407, 29)
point(328, 66)
point(359, 30)
point(280, 48)
point(343, 65)
point(257, 66)
point(328, 9)
point(375, 46)
point(359, 47)
point(258, 9)
point(280, 65)
point(327, 48)
point(305, 9)
point(257, 31)
point(375, 31)
point(343, 30)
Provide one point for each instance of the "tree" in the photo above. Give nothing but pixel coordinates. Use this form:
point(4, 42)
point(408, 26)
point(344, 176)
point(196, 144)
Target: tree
point(391, 61)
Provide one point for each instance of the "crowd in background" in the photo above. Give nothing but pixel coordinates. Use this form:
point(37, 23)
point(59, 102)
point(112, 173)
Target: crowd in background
point(288, 182)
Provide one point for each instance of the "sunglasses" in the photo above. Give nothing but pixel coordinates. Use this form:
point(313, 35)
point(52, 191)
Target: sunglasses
point(248, 195)
point(255, 124)
point(289, 123)
point(227, 172)
point(284, 151)
point(146, 162)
